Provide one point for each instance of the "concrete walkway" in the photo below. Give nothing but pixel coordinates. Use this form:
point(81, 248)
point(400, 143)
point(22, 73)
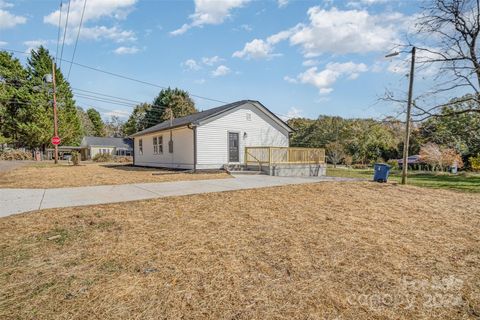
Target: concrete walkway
point(22, 200)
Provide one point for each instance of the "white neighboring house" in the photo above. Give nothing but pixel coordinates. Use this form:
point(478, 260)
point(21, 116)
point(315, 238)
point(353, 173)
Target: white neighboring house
point(211, 138)
point(91, 146)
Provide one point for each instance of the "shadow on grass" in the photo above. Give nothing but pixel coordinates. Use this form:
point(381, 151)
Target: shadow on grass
point(132, 168)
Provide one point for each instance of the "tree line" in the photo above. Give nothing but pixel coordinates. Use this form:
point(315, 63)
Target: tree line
point(451, 134)
point(26, 107)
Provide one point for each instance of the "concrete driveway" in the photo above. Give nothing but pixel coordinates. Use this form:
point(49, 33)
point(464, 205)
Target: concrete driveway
point(22, 200)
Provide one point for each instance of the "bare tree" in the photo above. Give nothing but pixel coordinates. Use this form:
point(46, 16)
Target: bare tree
point(335, 152)
point(440, 157)
point(448, 31)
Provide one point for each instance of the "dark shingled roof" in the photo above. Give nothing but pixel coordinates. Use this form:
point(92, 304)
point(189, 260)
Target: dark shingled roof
point(196, 117)
point(107, 142)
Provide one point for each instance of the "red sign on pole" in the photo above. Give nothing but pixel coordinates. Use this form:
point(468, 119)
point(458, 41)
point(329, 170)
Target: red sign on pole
point(56, 140)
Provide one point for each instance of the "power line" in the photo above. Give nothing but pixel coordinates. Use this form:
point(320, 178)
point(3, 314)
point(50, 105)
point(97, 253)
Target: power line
point(107, 95)
point(59, 29)
point(65, 33)
point(122, 76)
point(136, 80)
point(76, 41)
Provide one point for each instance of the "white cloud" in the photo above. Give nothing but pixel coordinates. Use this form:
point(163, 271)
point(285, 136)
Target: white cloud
point(34, 44)
point(114, 33)
point(333, 31)
point(360, 3)
point(200, 81)
point(3, 43)
point(184, 28)
point(221, 71)
point(282, 3)
point(126, 50)
point(323, 80)
point(191, 65)
point(7, 19)
point(209, 12)
point(255, 49)
point(210, 61)
point(290, 79)
point(294, 113)
point(117, 113)
point(342, 32)
point(5, 4)
point(94, 11)
point(246, 27)
point(309, 63)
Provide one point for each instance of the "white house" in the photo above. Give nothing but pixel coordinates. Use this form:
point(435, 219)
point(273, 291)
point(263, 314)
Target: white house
point(211, 138)
point(91, 146)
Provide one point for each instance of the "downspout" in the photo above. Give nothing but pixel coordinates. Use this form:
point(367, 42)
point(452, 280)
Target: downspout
point(194, 130)
point(133, 151)
point(195, 149)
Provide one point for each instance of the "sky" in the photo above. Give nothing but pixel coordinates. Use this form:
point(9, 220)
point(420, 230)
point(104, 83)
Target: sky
point(298, 58)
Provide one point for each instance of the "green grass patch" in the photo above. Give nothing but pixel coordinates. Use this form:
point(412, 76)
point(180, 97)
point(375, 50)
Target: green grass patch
point(467, 182)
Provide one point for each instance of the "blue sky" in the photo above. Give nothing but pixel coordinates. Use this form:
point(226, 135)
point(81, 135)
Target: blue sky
point(299, 58)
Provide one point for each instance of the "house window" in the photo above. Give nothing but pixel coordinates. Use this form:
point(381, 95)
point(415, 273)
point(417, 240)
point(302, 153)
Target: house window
point(157, 145)
point(140, 146)
point(249, 117)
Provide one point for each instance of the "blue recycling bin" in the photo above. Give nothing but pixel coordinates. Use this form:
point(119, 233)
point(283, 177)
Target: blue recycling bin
point(381, 171)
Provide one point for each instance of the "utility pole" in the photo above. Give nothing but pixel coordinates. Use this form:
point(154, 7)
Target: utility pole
point(55, 125)
point(407, 126)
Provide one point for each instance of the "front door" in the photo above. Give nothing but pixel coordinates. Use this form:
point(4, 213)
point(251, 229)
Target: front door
point(233, 147)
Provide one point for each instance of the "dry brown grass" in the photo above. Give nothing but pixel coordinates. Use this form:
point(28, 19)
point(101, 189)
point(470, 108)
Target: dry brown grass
point(92, 174)
point(319, 251)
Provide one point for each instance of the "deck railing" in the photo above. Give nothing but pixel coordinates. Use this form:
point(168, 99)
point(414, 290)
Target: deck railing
point(283, 155)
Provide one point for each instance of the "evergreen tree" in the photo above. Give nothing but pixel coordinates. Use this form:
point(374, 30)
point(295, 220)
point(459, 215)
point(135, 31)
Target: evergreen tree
point(87, 125)
point(38, 124)
point(14, 97)
point(98, 124)
point(177, 100)
point(136, 122)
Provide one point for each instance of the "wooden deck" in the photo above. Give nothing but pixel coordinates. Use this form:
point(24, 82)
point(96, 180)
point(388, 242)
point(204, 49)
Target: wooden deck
point(283, 155)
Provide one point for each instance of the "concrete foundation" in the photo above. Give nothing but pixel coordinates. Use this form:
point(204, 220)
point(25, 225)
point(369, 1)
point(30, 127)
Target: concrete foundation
point(293, 170)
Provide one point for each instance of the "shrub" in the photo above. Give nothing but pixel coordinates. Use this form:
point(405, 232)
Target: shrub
point(347, 160)
point(75, 158)
point(393, 164)
point(123, 159)
point(15, 155)
point(475, 162)
point(103, 157)
point(360, 166)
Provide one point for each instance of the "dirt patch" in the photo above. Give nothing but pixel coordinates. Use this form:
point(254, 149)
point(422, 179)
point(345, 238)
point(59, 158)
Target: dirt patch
point(46, 175)
point(320, 251)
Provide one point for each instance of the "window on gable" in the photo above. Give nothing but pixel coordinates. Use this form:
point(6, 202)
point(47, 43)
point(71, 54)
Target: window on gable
point(249, 116)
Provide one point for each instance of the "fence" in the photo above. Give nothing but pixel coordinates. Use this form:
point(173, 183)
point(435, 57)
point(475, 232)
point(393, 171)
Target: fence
point(283, 155)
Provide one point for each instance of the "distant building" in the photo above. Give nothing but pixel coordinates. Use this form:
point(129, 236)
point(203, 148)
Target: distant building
point(92, 146)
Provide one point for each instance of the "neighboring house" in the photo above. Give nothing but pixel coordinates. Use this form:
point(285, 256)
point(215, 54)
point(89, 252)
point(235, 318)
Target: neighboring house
point(211, 138)
point(92, 146)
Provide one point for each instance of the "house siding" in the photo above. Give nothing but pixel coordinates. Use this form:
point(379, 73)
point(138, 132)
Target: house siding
point(212, 137)
point(181, 158)
point(96, 150)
